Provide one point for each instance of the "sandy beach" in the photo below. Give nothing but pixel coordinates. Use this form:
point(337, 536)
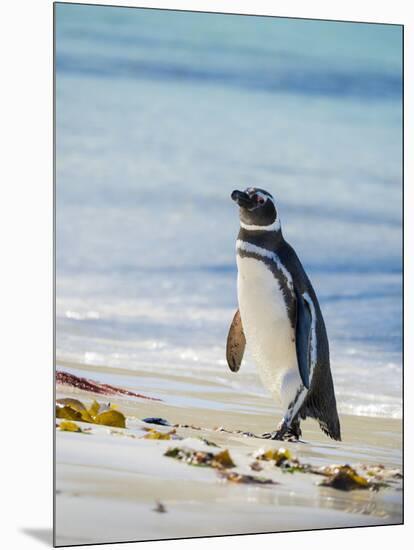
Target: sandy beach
point(110, 481)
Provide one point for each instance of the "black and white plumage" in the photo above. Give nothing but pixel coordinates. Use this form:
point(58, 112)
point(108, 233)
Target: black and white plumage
point(280, 320)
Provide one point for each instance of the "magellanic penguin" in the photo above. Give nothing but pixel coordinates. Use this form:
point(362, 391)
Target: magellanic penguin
point(280, 320)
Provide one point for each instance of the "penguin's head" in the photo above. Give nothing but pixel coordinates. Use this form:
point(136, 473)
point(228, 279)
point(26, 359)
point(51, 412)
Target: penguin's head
point(257, 209)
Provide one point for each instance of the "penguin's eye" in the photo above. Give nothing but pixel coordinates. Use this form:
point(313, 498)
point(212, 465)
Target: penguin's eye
point(258, 199)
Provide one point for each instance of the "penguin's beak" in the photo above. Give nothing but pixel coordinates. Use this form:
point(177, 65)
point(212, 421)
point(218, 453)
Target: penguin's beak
point(242, 199)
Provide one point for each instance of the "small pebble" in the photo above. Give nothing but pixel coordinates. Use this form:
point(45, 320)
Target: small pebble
point(160, 507)
point(256, 466)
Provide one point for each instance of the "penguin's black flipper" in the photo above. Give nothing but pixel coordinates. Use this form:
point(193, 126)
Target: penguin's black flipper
point(236, 342)
point(303, 337)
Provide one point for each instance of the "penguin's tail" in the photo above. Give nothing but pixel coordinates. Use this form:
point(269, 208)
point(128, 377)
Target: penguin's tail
point(332, 428)
point(325, 412)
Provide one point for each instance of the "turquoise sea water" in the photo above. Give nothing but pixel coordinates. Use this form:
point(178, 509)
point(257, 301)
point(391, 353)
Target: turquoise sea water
point(159, 116)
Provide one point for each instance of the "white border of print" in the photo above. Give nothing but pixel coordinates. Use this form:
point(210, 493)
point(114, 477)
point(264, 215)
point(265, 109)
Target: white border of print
point(26, 269)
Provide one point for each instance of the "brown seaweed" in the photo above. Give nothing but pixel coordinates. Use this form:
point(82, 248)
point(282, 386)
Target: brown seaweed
point(73, 409)
point(235, 477)
point(93, 386)
point(220, 460)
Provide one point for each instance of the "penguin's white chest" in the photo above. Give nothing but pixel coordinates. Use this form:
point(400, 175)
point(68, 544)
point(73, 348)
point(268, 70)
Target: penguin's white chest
point(269, 335)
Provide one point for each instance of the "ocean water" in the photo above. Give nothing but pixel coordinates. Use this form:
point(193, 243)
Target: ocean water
point(159, 116)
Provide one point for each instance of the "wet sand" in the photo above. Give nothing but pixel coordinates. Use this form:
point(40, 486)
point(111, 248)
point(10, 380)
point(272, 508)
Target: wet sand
point(109, 480)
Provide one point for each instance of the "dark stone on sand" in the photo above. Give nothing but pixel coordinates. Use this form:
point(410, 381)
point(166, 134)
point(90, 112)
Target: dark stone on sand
point(156, 420)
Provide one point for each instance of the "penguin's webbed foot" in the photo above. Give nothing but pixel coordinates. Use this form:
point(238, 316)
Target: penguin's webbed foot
point(285, 432)
point(278, 435)
point(273, 435)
